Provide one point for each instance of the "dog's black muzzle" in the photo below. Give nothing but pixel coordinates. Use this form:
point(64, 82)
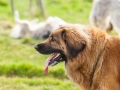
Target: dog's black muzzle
point(45, 49)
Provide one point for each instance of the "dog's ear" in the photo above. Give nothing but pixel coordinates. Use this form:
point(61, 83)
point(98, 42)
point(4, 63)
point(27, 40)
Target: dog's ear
point(75, 50)
point(74, 43)
point(63, 34)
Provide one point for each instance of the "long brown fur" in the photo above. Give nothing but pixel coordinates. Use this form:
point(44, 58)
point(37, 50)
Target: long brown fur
point(97, 65)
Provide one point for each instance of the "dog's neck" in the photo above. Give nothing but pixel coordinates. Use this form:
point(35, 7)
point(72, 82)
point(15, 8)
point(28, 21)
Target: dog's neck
point(83, 73)
point(95, 67)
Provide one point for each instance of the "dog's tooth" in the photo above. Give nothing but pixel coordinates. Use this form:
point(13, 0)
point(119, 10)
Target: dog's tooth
point(56, 55)
point(54, 63)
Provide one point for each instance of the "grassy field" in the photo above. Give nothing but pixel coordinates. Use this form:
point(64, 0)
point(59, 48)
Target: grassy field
point(21, 67)
point(18, 83)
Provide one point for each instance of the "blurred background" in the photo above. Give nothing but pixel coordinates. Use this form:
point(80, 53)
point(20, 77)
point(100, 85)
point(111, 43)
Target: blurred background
point(21, 67)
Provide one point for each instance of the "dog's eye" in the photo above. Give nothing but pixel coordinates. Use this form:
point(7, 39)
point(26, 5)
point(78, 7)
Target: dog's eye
point(52, 39)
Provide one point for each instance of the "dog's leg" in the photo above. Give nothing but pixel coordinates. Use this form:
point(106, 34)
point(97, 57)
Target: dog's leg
point(108, 23)
point(16, 16)
point(116, 22)
point(92, 19)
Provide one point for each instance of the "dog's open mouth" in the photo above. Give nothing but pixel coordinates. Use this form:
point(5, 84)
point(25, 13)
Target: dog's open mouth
point(54, 59)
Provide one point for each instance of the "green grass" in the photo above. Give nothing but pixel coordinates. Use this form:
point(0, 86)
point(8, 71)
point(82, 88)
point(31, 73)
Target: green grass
point(18, 83)
point(21, 67)
point(73, 11)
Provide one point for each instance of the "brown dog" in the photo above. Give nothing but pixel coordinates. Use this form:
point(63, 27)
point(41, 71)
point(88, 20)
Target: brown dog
point(92, 58)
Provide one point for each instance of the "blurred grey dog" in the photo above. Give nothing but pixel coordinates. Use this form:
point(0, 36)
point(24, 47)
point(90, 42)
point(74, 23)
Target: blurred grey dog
point(105, 14)
point(33, 28)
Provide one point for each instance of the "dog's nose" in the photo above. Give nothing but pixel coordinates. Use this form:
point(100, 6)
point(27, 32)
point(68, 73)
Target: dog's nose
point(36, 47)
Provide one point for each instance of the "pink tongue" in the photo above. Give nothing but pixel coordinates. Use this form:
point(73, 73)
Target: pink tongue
point(48, 60)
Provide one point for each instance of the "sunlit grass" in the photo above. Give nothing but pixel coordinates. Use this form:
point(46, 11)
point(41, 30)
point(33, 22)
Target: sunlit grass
point(73, 11)
point(17, 83)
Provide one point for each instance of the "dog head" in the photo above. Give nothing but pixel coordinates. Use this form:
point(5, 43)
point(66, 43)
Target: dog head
point(64, 43)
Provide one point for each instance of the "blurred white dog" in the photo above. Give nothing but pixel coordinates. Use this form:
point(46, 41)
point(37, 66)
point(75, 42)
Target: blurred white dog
point(33, 28)
point(105, 14)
